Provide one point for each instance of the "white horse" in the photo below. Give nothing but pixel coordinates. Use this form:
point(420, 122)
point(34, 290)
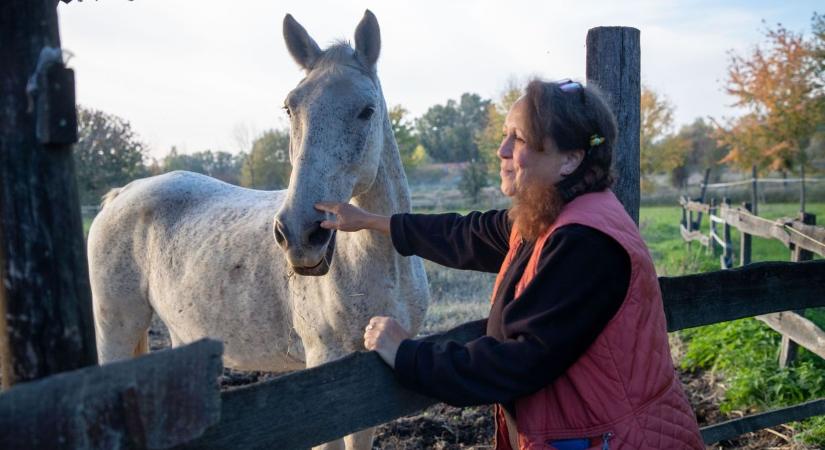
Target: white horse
point(201, 254)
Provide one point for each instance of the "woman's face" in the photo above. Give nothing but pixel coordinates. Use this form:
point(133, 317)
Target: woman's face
point(522, 165)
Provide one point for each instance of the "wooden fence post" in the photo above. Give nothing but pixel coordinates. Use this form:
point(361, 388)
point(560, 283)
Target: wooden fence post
point(701, 198)
point(754, 191)
point(727, 256)
point(745, 242)
point(802, 188)
point(789, 348)
point(43, 269)
point(613, 65)
point(712, 211)
point(712, 226)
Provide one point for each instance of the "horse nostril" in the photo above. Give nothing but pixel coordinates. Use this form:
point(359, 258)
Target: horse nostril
point(280, 235)
point(318, 236)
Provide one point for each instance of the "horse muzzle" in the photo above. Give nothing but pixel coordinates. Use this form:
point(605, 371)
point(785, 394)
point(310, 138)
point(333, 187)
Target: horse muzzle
point(323, 265)
point(313, 254)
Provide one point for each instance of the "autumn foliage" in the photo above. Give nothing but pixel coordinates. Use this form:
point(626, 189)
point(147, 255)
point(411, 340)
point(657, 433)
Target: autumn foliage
point(780, 85)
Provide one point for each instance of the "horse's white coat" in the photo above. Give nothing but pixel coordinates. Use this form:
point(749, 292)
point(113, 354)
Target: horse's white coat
point(201, 254)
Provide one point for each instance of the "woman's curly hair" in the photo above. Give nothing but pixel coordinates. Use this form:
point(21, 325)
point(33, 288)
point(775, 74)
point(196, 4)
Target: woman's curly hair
point(570, 118)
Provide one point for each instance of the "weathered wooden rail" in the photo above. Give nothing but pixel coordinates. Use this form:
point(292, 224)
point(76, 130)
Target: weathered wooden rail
point(794, 233)
point(310, 407)
point(156, 401)
point(800, 235)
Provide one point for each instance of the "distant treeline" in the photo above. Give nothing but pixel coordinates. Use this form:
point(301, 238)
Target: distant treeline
point(780, 85)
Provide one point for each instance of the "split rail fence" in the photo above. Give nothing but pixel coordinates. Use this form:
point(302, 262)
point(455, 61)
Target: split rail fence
point(171, 398)
point(799, 234)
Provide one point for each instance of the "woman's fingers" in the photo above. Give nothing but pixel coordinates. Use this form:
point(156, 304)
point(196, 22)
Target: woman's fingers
point(372, 332)
point(383, 332)
point(347, 217)
point(384, 335)
point(330, 207)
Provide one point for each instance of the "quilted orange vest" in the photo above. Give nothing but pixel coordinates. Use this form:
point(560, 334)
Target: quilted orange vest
point(622, 393)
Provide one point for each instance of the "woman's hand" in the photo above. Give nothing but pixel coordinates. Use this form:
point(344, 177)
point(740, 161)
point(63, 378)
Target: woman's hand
point(384, 335)
point(352, 218)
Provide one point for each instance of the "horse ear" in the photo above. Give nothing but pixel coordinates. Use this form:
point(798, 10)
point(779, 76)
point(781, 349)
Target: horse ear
point(368, 39)
point(300, 45)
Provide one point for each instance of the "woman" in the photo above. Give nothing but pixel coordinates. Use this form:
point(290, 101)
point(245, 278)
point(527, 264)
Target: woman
point(576, 353)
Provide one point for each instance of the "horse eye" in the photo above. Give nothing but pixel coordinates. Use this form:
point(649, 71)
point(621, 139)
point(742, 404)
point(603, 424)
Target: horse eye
point(288, 112)
point(366, 113)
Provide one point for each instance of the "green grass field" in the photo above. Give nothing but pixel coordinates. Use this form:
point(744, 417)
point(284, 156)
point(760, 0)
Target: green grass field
point(87, 222)
point(743, 352)
point(660, 229)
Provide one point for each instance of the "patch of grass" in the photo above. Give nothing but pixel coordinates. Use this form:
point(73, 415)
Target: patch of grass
point(87, 223)
point(659, 226)
point(457, 297)
point(672, 256)
point(745, 352)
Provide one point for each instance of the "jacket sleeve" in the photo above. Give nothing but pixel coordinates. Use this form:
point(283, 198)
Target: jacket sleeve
point(582, 279)
point(477, 241)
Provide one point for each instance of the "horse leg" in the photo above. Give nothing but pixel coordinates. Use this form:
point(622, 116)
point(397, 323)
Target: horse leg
point(361, 440)
point(317, 354)
point(331, 445)
point(122, 318)
point(142, 347)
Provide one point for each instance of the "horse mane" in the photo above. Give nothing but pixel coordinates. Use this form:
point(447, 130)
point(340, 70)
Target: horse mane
point(339, 54)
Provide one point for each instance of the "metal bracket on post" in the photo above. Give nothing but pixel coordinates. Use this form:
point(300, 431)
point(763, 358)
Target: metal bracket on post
point(51, 93)
point(56, 113)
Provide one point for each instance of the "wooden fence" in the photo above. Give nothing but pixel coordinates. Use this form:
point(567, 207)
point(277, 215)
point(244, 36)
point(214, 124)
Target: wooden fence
point(359, 391)
point(170, 398)
point(800, 234)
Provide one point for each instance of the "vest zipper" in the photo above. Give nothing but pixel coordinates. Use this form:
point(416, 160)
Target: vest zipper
point(606, 440)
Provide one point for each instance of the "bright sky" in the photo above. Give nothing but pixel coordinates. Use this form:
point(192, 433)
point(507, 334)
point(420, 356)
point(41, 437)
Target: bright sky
point(190, 73)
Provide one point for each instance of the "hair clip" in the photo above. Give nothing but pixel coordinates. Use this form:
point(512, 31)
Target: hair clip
point(596, 140)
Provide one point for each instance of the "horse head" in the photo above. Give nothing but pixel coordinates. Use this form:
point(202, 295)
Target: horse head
point(336, 137)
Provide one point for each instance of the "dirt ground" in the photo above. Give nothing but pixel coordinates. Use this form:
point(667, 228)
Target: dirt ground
point(443, 427)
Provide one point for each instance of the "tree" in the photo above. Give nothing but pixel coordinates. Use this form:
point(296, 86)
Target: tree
point(225, 167)
point(419, 156)
point(474, 178)
point(490, 138)
point(405, 136)
point(221, 165)
point(780, 85)
point(656, 119)
point(693, 149)
point(177, 161)
point(704, 151)
point(108, 154)
point(449, 131)
point(435, 131)
point(672, 157)
point(267, 164)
